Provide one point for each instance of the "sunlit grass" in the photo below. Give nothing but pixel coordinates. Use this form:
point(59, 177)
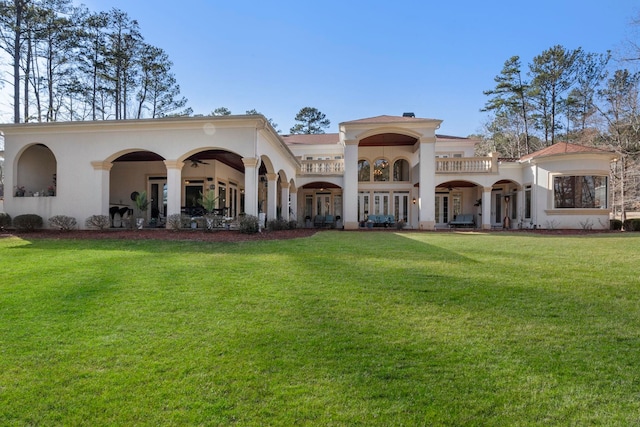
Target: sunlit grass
point(337, 329)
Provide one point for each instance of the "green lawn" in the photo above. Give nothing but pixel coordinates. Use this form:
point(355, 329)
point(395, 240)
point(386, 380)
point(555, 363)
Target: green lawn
point(340, 329)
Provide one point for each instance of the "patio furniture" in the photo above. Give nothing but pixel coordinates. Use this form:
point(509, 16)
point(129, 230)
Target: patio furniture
point(462, 220)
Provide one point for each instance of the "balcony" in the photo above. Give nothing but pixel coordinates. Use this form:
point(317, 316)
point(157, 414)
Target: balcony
point(467, 165)
point(455, 165)
point(322, 167)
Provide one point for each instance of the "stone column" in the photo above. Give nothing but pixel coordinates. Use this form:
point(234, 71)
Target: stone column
point(272, 196)
point(350, 190)
point(251, 165)
point(427, 191)
point(174, 186)
point(486, 208)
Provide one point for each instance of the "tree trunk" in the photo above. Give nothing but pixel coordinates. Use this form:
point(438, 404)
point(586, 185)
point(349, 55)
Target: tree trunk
point(19, 5)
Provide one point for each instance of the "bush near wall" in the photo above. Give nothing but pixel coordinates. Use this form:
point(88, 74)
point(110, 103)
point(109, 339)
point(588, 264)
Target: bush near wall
point(63, 222)
point(27, 222)
point(101, 222)
point(632, 224)
point(5, 220)
point(615, 224)
point(248, 224)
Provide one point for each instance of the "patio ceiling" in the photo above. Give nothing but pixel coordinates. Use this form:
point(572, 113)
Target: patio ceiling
point(228, 158)
point(386, 139)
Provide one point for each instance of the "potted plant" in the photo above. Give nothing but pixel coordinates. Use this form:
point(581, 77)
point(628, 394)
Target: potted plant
point(142, 203)
point(20, 191)
point(208, 202)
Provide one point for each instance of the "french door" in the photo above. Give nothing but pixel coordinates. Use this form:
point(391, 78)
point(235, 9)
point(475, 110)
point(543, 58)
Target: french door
point(401, 206)
point(157, 196)
point(442, 209)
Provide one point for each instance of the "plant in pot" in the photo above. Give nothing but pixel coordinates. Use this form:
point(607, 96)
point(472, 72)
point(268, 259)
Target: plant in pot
point(208, 202)
point(142, 204)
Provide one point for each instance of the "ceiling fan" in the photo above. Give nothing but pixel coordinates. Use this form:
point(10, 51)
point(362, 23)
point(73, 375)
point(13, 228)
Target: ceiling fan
point(196, 162)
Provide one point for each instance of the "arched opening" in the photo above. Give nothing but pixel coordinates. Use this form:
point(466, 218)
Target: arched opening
point(36, 172)
point(132, 173)
point(322, 204)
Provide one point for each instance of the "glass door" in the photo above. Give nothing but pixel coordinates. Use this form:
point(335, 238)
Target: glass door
point(401, 206)
point(323, 204)
point(381, 203)
point(496, 208)
point(192, 190)
point(363, 206)
point(442, 209)
point(157, 196)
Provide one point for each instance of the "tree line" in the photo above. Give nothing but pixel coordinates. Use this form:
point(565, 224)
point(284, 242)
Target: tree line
point(69, 63)
point(573, 96)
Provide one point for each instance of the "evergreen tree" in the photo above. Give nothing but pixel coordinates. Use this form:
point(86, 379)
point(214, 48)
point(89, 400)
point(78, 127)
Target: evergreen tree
point(310, 121)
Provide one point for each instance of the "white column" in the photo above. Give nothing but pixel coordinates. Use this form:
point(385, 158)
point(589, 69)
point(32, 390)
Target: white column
point(174, 186)
point(251, 185)
point(284, 209)
point(486, 208)
point(101, 204)
point(350, 189)
point(293, 195)
point(272, 196)
point(427, 191)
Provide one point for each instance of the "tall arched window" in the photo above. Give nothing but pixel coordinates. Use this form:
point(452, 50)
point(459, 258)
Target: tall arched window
point(381, 170)
point(364, 171)
point(401, 170)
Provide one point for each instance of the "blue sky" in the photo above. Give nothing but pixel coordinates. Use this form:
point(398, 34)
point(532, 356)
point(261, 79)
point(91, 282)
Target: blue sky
point(356, 59)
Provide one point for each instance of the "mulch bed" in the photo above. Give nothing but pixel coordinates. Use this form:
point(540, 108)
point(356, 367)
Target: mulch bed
point(163, 234)
point(236, 236)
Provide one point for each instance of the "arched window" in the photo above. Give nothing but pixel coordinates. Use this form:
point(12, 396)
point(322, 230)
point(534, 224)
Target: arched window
point(381, 170)
point(401, 170)
point(364, 171)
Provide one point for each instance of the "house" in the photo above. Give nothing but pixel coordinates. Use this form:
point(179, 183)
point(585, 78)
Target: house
point(391, 167)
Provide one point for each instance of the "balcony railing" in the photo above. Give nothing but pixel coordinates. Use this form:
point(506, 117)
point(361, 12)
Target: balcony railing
point(454, 165)
point(467, 165)
point(327, 167)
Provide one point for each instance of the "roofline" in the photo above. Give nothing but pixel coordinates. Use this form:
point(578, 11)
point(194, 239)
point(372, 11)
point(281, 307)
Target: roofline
point(128, 124)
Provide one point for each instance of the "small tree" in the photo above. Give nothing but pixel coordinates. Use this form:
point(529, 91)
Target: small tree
point(208, 202)
point(142, 203)
point(310, 121)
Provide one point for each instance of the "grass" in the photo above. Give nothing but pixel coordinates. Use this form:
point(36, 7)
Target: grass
point(340, 329)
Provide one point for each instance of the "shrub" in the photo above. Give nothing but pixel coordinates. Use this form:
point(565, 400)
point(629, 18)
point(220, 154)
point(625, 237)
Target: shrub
point(101, 222)
point(632, 224)
point(63, 222)
point(277, 224)
point(400, 225)
point(27, 222)
point(615, 224)
point(5, 220)
point(174, 222)
point(293, 224)
point(248, 224)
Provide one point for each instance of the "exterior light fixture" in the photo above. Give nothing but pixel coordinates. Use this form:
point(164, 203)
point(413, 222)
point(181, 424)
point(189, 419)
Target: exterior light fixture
point(413, 201)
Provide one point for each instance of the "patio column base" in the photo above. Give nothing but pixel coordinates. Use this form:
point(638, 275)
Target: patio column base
point(351, 225)
point(427, 225)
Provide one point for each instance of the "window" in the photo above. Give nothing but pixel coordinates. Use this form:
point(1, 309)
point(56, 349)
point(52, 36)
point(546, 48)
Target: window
point(364, 171)
point(381, 170)
point(401, 170)
point(580, 191)
point(527, 202)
